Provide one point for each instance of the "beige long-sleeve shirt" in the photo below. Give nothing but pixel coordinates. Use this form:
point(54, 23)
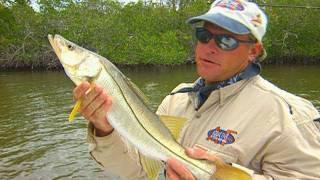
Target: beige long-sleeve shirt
point(251, 123)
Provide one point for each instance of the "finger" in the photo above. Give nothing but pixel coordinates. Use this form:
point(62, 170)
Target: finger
point(99, 119)
point(107, 104)
point(99, 116)
point(80, 90)
point(179, 169)
point(199, 152)
point(103, 104)
point(89, 97)
point(95, 104)
point(171, 175)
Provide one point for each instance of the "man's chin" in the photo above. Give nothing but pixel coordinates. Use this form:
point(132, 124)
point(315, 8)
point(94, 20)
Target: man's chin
point(207, 74)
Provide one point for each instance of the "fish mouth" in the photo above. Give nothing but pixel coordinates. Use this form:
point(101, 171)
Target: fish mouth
point(52, 41)
point(58, 44)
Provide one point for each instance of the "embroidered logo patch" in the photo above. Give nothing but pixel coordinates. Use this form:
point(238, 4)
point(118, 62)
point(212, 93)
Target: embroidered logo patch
point(257, 21)
point(221, 136)
point(231, 4)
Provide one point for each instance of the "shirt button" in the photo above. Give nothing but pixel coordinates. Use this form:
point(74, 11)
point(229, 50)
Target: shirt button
point(198, 115)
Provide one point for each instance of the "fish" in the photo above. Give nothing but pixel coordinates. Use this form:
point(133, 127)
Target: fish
point(131, 116)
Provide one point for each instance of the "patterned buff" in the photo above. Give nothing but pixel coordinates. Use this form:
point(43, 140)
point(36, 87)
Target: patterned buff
point(202, 91)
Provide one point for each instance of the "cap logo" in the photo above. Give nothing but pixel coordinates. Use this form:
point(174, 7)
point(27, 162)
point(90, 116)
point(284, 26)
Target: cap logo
point(257, 21)
point(230, 4)
point(221, 136)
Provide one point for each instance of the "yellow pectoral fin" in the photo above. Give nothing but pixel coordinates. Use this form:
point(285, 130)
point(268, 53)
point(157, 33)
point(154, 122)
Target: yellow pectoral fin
point(174, 124)
point(78, 104)
point(228, 172)
point(75, 110)
point(151, 167)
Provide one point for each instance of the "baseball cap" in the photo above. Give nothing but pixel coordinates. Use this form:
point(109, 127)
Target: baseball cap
point(237, 16)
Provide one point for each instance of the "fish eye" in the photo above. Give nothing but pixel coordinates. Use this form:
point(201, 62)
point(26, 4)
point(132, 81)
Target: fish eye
point(70, 47)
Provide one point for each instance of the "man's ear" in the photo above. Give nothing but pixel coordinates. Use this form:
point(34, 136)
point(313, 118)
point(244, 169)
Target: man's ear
point(255, 51)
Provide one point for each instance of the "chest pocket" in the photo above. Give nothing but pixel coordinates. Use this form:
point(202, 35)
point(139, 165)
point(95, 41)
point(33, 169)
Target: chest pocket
point(227, 153)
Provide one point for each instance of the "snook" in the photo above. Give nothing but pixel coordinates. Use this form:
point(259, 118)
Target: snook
point(129, 114)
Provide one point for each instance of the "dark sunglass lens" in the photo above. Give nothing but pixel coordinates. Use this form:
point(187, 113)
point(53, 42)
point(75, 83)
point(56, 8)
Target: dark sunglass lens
point(226, 42)
point(203, 35)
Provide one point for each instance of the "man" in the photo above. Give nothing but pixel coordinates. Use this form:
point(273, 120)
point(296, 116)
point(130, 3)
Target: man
point(234, 115)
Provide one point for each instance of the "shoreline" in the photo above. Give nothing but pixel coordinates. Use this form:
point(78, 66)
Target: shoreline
point(54, 65)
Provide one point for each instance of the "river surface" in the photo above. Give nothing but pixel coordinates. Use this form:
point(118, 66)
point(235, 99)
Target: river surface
point(37, 141)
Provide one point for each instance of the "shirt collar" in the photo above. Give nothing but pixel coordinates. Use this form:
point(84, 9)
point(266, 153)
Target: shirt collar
point(202, 91)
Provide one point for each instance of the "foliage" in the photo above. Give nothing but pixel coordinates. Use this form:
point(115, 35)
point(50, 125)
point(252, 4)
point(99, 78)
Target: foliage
point(293, 33)
point(138, 33)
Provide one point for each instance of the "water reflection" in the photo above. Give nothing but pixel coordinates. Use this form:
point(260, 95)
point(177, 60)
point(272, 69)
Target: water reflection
point(37, 141)
point(300, 80)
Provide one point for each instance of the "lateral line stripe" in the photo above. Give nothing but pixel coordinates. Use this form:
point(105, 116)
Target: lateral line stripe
point(121, 90)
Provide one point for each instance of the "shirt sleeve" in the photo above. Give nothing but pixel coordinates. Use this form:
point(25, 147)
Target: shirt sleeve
point(163, 108)
point(115, 155)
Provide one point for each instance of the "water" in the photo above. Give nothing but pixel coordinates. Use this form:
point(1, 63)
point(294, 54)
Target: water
point(37, 141)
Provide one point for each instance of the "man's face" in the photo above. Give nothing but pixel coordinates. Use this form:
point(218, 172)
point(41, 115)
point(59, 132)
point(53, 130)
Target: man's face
point(215, 64)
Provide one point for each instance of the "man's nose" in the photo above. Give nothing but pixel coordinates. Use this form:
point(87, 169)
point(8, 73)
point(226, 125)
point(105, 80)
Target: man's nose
point(211, 47)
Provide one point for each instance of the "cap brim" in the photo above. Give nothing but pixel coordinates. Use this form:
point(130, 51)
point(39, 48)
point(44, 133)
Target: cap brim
point(222, 21)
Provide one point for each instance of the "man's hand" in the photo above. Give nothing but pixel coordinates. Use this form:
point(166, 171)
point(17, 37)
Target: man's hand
point(94, 107)
point(176, 171)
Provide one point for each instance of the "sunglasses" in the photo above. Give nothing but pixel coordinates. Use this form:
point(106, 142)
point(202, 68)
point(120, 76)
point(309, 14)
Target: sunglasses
point(223, 41)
